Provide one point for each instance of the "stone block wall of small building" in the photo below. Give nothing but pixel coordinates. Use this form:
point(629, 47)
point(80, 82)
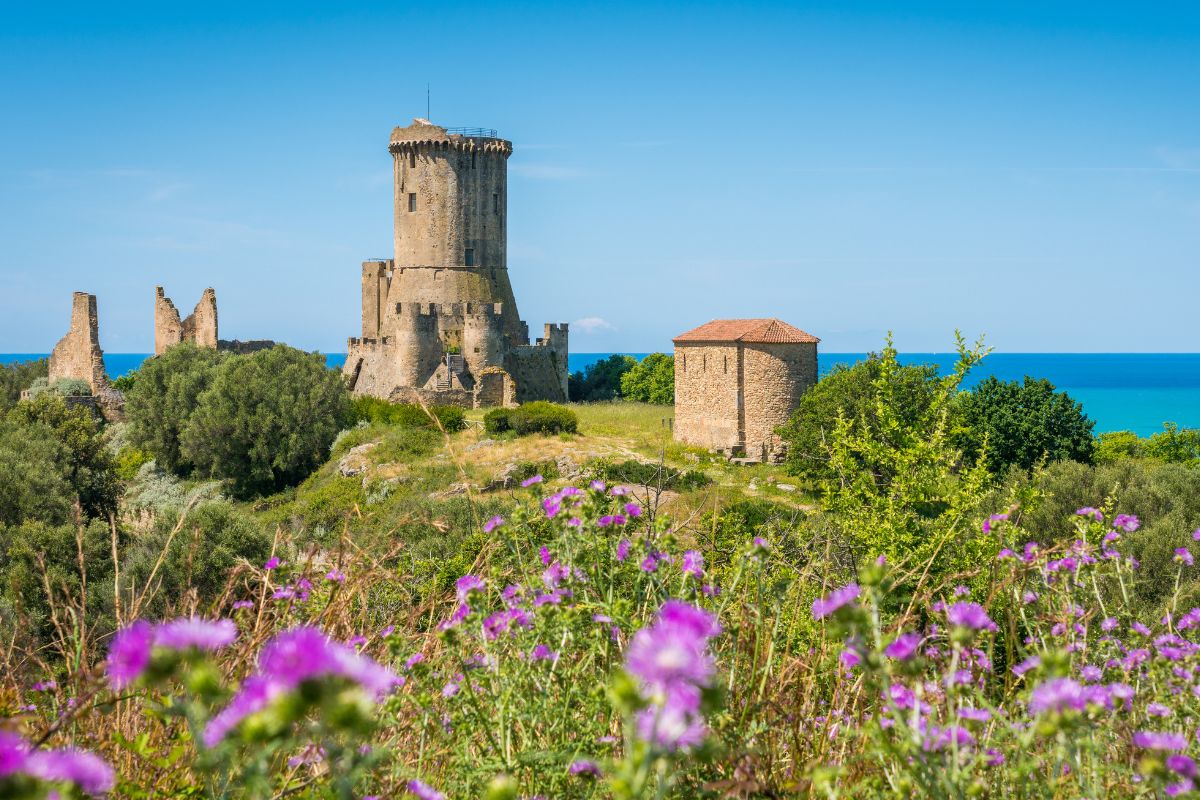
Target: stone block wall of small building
point(706, 395)
point(775, 376)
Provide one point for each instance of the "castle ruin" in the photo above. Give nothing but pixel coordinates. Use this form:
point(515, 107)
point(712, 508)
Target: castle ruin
point(200, 328)
point(737, 381)
point(439, 319)
point(78, 355)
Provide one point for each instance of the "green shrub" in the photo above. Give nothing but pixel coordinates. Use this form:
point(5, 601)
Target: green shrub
point(162, 400)
point(536, 417)
point(652, 380)
point(33, 483)
point(851, 392)
point(87, 463)
point(1115, 446)
point(18, 376)
point(266, 420)
point(130, 461)
point(497, 421)
point(1171, 445)
point(63, 387)
point(1022, 424)
point(125, 382)
point(643, 474)
point(373, 409)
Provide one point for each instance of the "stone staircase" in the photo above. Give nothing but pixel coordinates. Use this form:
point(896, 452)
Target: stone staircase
point(455, 366)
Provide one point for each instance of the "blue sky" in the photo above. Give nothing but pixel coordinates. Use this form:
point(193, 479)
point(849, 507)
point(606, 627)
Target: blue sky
point(1028, 171)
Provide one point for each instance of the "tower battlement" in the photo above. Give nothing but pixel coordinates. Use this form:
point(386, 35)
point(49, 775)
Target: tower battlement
point(442, 312)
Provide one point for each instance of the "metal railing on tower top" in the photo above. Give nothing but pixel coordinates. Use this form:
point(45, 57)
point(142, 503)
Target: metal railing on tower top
point(474, 133)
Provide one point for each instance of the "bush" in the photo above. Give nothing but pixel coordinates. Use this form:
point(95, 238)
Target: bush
point(266, 420)
point(214, 539)
point(373, 409)
point(1171, 445)
point(536, 417)
point(656, 475)
point(1022, 424)
point(18, 376)
point(851, 393)
point(33, 483)
point(162, 400)
point(600, 381)
point(125, 382)
point(651, 381)
point(63, 387)
point(87, 463)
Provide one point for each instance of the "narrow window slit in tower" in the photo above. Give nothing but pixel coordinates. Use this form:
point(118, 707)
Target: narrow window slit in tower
point(412, 160)
point(412, 201)
point(470, 257)
point(495, 203)
point(472, 159)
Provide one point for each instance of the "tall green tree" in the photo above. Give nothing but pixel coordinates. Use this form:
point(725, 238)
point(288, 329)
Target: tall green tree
point(1022, 424)
point(600, 381)
point(652, 380)
point(18, 376)
point(86, 462)
point(266, 420)
point(163, 398)
point(33, 484)
point(852, 393)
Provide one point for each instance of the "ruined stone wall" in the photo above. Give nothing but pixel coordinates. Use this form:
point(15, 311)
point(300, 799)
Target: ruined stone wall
point(168, 329)
point(707, 397)
point(554, 338)
point(376, 275)
point(78, 355)
point(775, 378)
point(200, 327)
point(433, 397)
point(535, 370)
point(495, 387)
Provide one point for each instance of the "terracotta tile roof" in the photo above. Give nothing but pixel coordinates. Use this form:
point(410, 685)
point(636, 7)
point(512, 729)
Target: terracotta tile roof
point(747, 330)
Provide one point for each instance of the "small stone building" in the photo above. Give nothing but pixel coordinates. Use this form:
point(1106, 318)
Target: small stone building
point(737, 381)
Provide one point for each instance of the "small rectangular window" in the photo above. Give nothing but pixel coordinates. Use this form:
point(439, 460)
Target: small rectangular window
point(495, 203)
point(412, 201)
point(470, 257)
point(412, 160)
point(472, 159)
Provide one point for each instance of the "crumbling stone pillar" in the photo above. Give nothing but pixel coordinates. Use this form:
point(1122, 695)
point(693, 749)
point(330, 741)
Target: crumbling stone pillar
point(200, 327)
point(78, 355)
point(168, 330)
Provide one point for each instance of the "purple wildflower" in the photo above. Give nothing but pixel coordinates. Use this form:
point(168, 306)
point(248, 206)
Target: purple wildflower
point(555, 574)
point(525, 484)
point(1184, 556)
point(1109, 624)
point(1152, 740)
point(619, 491)
point(610, 519)
point(1126, 522)
point(676, 723)
point(970, 615)
point(129, 654)
point(1030, 663)
point(424, 791)
point(990, 521)
point(467, 584)
point(290, 659)
point(272, 563)
point(650, 563)
point(86, 770)
point(493, 523)
point(823, 607)
point(674, 649)
point(623, 549)
point(182, 634)
point(761, 544)
point(693, 564)
point(1057, 694)
point(633, 510)
point(542, 653)
point(45, 686)
point(1088, 511)
point(1182, 765)
point(240, 604)
point(335, 575)
point(598, 486)
point(413, 660)
point(903, 646)
point(584, 767)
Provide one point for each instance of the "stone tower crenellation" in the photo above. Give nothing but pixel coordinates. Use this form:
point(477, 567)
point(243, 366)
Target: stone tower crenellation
point(441, 313)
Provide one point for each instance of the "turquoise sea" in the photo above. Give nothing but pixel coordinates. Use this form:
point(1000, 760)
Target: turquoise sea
point(1121, 391)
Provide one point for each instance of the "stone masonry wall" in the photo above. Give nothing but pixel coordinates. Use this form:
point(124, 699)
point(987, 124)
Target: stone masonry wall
point(200, 327)
point(78, 355)
point(535, 371)
point(706, 395)
point(775, 376)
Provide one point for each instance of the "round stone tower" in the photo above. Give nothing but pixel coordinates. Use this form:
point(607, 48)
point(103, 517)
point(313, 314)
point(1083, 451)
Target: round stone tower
point(451, 197)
